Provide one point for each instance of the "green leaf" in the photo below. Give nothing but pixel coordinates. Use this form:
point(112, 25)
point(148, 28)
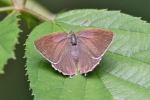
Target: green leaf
point(123, 73)
point(8, 38)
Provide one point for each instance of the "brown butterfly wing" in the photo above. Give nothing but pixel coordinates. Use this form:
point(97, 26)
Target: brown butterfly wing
point(93, 42)
point(86, 61)
point(51, 45)
point(55, 48)
point(66, 65)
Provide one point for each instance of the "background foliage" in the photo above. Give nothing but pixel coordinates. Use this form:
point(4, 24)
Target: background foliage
point(12, 81)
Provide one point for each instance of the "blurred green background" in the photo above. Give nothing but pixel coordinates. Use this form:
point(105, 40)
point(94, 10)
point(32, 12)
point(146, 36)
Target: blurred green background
point(14, 84)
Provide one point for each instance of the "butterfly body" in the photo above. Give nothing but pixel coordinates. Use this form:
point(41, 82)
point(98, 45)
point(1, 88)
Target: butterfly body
point(73, 38)
point(67, 51)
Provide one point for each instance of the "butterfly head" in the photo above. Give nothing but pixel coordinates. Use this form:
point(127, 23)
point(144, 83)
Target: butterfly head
point(73, 38)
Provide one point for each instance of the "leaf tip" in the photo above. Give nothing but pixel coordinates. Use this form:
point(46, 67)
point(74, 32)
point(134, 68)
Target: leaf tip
point(14, 58)
point(2, 72)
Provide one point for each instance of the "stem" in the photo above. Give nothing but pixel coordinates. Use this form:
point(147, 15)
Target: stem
point(22, 7)
point(6, 8)
point(23, 2)
point(12, 12)
point(14, 2)
point(36, 14)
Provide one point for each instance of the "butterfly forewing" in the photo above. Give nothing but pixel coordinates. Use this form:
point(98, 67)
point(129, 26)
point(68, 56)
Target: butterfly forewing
point(51, 46)
point(96, 40)
point(93, 42)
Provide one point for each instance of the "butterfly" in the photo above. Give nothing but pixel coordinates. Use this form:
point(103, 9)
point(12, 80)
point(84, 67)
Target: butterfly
point(84, 49)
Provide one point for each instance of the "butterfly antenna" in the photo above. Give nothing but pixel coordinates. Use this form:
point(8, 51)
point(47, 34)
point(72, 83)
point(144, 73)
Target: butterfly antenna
point(62, 26)
point(81, 24)
point(74, 27)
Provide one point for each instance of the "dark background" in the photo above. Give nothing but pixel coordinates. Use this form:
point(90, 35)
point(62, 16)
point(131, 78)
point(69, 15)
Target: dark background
point(14, 84)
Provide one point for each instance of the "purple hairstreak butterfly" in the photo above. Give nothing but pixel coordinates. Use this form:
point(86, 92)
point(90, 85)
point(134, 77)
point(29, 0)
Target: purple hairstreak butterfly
point(68, 51)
